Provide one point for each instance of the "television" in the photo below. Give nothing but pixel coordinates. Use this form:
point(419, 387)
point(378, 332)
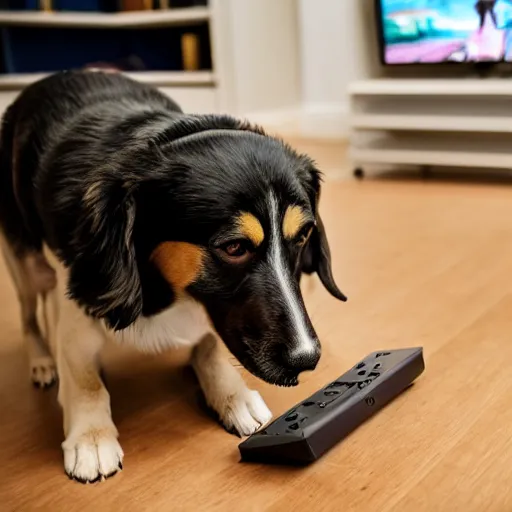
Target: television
point(444, 31)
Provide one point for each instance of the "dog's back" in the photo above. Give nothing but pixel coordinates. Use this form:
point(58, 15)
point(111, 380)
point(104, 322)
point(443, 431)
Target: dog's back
point(41, 116)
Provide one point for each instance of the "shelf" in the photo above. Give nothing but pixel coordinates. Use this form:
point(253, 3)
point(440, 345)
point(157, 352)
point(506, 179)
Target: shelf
point(432, 87)
point(174, 78)
point(157, 78)
point(132, 19)
point(461, 123)
point(428, 152)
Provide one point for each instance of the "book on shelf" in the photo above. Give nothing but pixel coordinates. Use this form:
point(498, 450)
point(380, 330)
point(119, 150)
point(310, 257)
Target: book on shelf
point(190, 51)
point(136, 5)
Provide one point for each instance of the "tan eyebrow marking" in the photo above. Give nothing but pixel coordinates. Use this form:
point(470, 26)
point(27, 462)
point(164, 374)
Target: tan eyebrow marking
point(250, 227)
point(180, 263)
point(294, 219)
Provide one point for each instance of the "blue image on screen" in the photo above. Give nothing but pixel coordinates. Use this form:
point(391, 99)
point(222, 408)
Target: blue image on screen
point(432, 31)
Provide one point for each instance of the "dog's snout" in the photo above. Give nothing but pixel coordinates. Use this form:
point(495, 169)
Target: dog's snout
point(302, 359)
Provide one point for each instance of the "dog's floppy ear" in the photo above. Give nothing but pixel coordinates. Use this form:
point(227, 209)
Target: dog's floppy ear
point(104, 276)
point(316, 255)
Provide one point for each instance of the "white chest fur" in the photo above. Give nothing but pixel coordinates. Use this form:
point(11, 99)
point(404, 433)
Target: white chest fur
point(183, 324)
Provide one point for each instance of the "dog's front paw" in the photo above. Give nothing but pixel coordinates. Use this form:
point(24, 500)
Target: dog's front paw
point(92, 456)
point(244, 412)
point(43, 372)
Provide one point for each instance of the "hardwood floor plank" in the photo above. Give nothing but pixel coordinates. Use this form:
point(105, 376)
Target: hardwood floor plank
point(474, 475)
point(408, 438)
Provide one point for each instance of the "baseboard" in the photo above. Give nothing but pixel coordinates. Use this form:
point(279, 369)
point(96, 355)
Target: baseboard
point(316, 121)
point(329, 120)
point(282, 121)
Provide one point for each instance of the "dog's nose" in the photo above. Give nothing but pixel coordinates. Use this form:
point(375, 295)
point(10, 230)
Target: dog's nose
point(302, 359)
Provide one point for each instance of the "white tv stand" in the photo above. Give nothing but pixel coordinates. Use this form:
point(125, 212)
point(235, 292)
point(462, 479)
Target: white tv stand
point(431, 122)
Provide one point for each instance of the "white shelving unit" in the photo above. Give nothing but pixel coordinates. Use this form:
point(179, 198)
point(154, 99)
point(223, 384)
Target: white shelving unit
point(432, 122)
point(254, 47)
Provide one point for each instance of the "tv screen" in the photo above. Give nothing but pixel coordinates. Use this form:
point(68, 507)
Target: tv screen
point(437, 31)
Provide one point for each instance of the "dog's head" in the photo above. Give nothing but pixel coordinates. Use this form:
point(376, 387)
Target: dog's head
point(230, 218)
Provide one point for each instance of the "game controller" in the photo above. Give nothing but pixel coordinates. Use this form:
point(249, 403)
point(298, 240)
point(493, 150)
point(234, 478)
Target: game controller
point(309, 429)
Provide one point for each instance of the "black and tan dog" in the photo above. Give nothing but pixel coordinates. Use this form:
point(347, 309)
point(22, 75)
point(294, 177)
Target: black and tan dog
point(130, 220)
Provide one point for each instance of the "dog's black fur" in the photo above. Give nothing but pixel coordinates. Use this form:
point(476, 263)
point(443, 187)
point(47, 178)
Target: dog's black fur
point(103, 169)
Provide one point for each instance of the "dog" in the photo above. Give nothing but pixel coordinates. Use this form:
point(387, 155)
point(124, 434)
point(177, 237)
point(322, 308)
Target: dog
point(126, 219)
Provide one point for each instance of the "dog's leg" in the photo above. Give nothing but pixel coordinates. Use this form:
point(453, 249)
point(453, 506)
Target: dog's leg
point(240, 409)
point(43, 372)
point(91, 449)
point(32, 278)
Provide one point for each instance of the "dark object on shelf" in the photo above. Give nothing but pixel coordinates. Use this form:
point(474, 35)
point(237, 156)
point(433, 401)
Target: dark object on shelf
point(308, 430)
point(86, 5)
point(19, 5)
point(174, 4)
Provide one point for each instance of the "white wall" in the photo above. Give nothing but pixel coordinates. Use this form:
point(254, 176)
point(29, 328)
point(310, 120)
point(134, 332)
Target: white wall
point(338, 44)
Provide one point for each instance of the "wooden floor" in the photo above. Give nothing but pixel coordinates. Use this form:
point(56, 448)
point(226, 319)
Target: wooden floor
point(423, 263)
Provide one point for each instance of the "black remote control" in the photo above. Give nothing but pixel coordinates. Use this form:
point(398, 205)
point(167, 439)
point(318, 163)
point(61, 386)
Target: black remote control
point(305, 432)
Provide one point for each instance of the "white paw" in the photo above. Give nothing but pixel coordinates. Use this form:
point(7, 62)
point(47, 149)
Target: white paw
point(42, 371)
point(244, 412)
point(93, 456)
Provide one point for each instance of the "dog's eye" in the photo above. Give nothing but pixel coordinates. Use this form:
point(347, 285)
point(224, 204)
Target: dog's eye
point(304, 234)
point(237, 251)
